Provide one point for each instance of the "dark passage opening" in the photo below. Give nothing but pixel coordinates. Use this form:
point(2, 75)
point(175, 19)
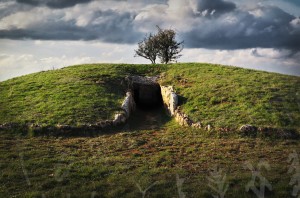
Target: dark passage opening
point(147, 96)
point(149, 113)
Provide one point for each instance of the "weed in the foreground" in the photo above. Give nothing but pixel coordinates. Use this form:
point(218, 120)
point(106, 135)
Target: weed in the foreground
point(217, 182)
point(294, 168)
point(24, 169)
point(179, 183)
point(112, 164)
point(257, 175)
point(146, 189)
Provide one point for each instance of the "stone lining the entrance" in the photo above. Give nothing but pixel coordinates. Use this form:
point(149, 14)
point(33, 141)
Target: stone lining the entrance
point(170, 100)
point(128, 106)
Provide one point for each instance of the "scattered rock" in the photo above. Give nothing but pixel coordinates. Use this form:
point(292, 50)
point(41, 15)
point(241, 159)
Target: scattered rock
point(6, 126)
point(100, 81)
point(120, 118)
point(278, 133)
point(197, 125)
point(101, 124)
point(248, 128)
point(50, 128)
point(182, 118)
point(108, 123)
point(35, 128)
point(63, 127)
point(224, 129)
point(208, 127)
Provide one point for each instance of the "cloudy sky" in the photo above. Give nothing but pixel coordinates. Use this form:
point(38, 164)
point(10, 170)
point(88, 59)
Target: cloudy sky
point(40, 35)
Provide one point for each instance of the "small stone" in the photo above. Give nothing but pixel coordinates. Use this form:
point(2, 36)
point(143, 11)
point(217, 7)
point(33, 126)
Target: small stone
point(248, 128)
point(108, 122)
point(61, 126)
point(197, 125)
point(208, 127)
point(119, 118)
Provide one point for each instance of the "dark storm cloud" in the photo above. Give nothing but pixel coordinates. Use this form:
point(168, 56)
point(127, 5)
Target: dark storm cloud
point(296, 2)
point(58, 4)
point(113, 27)
point(11, 8)
point(271, 28)
point(232, 28)
point(215, 6)
point(53, 3)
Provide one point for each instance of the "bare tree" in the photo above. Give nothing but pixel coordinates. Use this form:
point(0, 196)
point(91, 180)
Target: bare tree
point(148, 48)
point(162, 45)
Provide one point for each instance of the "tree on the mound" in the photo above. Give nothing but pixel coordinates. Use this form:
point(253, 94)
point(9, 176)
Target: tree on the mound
point(162, 45)
point(168, 48)
point(148, 48)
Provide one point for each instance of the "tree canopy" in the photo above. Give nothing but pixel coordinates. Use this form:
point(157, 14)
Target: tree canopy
point(162, 45)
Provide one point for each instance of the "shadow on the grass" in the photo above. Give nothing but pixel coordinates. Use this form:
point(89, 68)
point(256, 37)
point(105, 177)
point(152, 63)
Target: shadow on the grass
point(141, 119)
point(147, 119)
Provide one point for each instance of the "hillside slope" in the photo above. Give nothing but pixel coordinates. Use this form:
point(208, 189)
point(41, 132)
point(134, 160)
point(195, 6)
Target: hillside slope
point(72, 95)
point(165, 160)
point(218, 95)
point(230, 96)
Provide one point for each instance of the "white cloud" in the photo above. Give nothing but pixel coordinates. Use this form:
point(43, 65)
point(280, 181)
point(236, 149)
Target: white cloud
point(126, 21)
point(15, 20)
point(257, 12)
point(5, 4)
point(26, 19)
point(296, 24)
point(271, 53)
point(271, 61)
point(15, 59)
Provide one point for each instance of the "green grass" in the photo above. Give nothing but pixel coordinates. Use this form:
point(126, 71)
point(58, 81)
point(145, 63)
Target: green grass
point(218, 95)
point(72, 95)
point(110, 165)
point(229, 96)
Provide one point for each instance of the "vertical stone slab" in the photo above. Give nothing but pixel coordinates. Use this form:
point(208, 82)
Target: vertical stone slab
point(170, 98)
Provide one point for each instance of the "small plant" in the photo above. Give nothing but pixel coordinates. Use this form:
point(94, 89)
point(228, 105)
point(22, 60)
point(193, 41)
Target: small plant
point(258, 177)
point(217, 182)
point(294, 168)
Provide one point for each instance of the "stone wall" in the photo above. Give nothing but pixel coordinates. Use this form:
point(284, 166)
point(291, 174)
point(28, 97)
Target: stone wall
point(128, 106)
point(170, 100)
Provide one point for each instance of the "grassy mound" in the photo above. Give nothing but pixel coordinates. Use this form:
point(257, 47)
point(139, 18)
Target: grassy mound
point(229, 96)
point(72, 95)
point(157, 160)
point(218, 95)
